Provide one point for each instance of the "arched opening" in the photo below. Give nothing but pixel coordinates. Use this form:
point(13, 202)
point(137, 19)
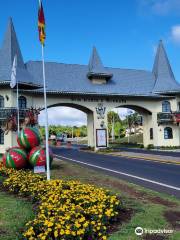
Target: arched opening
point(22, 102)
point(127, 126)
point(1, 101)
point(69, 122)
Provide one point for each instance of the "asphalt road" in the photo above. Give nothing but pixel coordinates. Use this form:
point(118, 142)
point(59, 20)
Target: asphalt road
point(156, 176)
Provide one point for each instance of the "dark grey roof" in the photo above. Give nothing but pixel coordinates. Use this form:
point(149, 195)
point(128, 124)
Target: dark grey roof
point(73, 78)
point(9, 49)
point(96, 67)
point(165, 80)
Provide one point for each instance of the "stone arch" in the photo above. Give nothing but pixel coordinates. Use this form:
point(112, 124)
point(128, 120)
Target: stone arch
point(90, 118)
point(72, 105)
point(147, 119)
point(137, 108)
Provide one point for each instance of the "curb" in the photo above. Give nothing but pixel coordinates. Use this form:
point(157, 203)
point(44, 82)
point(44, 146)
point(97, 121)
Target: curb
point(137, 157)
point(146, 158)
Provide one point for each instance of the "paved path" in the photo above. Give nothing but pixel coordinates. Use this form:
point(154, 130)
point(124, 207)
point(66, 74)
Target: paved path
point(154, 175)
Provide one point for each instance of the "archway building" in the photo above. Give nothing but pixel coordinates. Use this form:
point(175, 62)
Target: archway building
point(95, 90)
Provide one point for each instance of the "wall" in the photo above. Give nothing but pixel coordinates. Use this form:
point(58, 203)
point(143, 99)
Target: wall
point(147, 107)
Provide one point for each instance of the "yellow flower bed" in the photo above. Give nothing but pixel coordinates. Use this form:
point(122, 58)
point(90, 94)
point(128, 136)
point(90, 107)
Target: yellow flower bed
point(67, 209)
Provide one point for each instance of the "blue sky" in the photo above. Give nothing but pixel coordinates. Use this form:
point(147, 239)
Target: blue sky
point(125, 33)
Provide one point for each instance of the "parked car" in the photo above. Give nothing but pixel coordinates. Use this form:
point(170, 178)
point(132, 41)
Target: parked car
point(61, 137)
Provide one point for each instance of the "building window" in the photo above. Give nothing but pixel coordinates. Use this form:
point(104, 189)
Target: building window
point(166, 106)
point(1, 102)
point(22, 102)
point(1, 136)
point(151, 133)
point(168, 133)
point(178, 106)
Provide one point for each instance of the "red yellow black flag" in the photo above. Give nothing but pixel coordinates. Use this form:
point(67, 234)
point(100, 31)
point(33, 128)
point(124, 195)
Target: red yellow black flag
point(41, 24)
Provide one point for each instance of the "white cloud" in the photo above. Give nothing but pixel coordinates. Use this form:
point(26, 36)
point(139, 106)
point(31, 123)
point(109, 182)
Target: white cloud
point(72, 117)
point(64, 116)
point(122, 112)
point(160, 7)
point(175, 33)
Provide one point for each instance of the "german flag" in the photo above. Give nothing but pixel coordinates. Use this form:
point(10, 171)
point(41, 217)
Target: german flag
point(41, 24)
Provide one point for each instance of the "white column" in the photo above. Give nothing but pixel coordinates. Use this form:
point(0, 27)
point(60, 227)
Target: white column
point(100, 123)
point(90, 129)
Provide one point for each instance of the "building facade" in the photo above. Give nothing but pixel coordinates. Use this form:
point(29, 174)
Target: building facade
point(95, 90)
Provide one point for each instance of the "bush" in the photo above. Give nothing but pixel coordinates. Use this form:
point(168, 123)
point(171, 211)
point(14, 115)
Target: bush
point(67, 209)
point(150, 146)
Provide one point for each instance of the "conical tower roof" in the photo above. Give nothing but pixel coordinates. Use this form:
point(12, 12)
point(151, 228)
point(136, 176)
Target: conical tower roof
point(10, 48)
point(96, 67)
point(165, 80)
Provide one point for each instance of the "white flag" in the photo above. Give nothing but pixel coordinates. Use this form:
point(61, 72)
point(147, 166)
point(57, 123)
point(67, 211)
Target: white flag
point(13, 73)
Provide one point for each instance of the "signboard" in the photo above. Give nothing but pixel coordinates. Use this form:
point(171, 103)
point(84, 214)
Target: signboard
point(101, 137)
point(39, 169)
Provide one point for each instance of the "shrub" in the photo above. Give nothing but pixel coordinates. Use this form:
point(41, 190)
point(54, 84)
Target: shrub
point(150, 146)
point(67, 209)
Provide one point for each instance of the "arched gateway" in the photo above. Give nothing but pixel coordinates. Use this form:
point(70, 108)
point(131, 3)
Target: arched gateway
point(94, 89)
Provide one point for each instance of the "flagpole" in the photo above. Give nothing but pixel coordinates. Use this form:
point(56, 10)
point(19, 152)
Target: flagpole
point(17, 103)
point(45, 108)
point(46, 117)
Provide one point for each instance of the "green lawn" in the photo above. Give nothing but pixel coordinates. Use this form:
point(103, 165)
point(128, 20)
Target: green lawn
point(14, 214)
point(134, 138)
point(148, 207)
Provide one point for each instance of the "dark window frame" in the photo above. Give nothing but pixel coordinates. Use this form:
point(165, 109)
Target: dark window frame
point(151, 133)
point(22, 102)
point(1, 101)
point(168, 133)
point(178, 106)
point(166, 106)
point(1, 137)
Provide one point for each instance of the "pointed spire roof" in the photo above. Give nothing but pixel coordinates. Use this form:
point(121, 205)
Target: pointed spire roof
point(9, 49)
point(96, 67)
point(164, 77)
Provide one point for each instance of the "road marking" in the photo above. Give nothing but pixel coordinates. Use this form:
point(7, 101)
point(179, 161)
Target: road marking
point(148, 159)
point(121, 173)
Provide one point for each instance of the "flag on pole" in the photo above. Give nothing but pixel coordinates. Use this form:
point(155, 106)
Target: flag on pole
point(13, 73)
point(42, 36)
point(41, 24)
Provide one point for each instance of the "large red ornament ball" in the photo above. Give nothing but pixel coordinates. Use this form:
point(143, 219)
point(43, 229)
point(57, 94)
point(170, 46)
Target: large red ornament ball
point(29, 138)
point(37, 156)
point(15, 157)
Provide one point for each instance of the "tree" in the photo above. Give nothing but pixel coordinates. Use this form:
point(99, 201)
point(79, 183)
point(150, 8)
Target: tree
point(132, 121)
point(113, 117)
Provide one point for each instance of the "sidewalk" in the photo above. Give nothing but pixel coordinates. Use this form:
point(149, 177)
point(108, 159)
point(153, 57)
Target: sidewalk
point(151, 157)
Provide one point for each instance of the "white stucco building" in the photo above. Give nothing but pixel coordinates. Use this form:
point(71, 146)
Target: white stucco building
point(95, 90)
